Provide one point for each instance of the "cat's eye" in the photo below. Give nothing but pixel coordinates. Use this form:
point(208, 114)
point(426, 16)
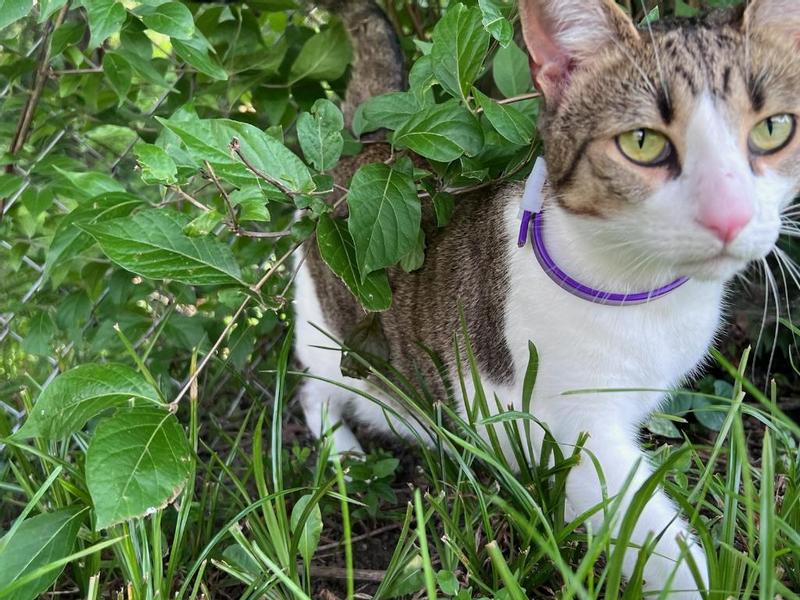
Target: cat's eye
point(645, 147)
point(772, 134)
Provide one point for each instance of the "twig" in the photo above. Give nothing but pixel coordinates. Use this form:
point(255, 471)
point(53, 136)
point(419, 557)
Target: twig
point(520, 98)
point(255, 289)
point(192, 200)
point(26, 118)
point(262, 234)
point(228, 206)
point(512, 100)
point(86, 71)
point(235, 148)
point(363, 536)
point(340, 573)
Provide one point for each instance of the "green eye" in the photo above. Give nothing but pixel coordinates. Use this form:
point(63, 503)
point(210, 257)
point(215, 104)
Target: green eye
point(645, 147)
point(772, 134)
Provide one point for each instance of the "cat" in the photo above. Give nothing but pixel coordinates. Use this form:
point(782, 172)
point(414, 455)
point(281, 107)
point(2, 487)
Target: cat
point(671, 152)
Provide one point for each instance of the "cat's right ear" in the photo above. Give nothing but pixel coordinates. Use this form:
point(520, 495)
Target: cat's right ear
point(774, 16)
point(562, 35)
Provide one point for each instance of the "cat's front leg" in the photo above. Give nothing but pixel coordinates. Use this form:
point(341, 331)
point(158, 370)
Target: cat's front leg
point(622, 462)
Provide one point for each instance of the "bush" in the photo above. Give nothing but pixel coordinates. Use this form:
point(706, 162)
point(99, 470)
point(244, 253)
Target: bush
point(165, 162)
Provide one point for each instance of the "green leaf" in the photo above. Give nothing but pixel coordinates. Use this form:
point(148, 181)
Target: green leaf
point(74, 397)
point(210, 139)
point(119, 74)
point(663, 427)
point(385, 467)
point(443, 132)
point(195, 52)
point(252, 204)
point(137, 49)
point(138, 461)
point(203, 224)
point(68, 34)
point(338, 251)
point(712, 414)
point(682, 9)
point(416, 258)
point(409, 580)
point(312, 527)
point(651, 17)
point(171, 18)
point(389, 110)
point(13, 10)
point(459, 45)
point(38, 541)
point(157, 166)
point(91, 183)
point(511, 71)
point(448, 582)
point(40, 331)
point(495, 21)
point(9, 184)
point(152, 244)
point(69, 240)
point(320, 134)
point(507, 120)
point(385, 216)
point(48, 7)
point(105, 17)
point(443, 205)
point(325, 55)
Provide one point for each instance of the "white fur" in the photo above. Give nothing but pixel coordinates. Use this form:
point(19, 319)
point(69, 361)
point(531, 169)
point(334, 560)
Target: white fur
point(584, 346)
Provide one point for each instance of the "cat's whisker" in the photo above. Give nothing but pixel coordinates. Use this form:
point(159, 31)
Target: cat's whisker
point(784, 260)
point(772, 288)
point(659, 66)
point(764, 269)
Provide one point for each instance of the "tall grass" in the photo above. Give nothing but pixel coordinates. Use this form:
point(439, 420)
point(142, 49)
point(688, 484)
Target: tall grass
point(478, 527)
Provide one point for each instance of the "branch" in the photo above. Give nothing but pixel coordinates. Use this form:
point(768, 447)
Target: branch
point(262, 234)
point(235, 148)
point(26, 118)
point(520, 98)
point(255, 289)
point(191, 199)
point(228, 206)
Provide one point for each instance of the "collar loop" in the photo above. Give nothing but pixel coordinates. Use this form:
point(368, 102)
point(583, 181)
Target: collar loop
point(532, 211)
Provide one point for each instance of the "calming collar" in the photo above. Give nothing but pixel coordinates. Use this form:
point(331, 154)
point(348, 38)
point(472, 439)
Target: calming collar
point(531, 210)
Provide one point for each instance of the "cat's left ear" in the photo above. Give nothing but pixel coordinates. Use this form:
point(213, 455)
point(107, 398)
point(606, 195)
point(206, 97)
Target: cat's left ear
point(565, 35)
point(774, 16)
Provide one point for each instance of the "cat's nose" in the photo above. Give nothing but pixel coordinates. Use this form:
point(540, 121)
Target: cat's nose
point(725, 228)
point(726, 209)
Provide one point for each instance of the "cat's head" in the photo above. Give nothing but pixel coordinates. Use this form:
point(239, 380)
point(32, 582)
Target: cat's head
point(676, 146)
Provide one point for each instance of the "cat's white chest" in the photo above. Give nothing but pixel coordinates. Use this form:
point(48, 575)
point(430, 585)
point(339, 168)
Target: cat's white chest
point(586, 346)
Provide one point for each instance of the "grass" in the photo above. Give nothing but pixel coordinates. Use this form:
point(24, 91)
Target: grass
point(268, 518)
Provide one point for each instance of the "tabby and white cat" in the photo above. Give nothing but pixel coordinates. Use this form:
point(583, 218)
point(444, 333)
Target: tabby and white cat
point(672, 153)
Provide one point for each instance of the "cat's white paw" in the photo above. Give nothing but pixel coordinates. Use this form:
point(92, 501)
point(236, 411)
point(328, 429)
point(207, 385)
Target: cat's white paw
point(683, 583)
point(345, 442)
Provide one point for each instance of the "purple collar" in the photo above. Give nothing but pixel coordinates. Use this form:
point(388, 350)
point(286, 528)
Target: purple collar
point(574, 287)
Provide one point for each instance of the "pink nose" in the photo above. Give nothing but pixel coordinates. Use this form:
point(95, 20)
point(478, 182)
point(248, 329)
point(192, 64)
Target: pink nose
point(725, 208)
point(726, 225)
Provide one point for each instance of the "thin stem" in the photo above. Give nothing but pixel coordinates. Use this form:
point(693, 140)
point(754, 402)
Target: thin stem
point(229, 327)
point(26, 118)
point(228, 206)
point(191, 199)
point(263, 234)
point(235, 148)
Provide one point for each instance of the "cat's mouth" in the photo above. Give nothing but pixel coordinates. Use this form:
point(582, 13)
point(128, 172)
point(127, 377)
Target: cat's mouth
point(722, 265)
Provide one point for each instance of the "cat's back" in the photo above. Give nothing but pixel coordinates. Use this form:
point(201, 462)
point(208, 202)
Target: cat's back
point(465, 272)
